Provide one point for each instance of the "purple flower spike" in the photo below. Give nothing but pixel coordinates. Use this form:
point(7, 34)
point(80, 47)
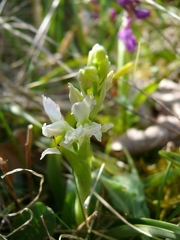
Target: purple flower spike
point(128, 39)
point(124, 3)
point(142, 13)
point(112, 13)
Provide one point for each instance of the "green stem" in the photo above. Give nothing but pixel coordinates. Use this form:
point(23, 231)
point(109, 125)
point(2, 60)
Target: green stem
point(81, 165)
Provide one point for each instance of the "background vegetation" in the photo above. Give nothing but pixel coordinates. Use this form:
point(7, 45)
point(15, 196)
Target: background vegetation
point(43, 44)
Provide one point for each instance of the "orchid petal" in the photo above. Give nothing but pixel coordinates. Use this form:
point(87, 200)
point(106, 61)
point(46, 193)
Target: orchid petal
point(81, 110)
point(98, 136)
point(55, 129)
point(52, 109)
point(49, 151)
point(77, 135)
point(106, 127)
point(93, 130)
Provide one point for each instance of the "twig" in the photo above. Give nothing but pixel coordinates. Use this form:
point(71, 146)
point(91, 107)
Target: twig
point(45, 227)
point(24, 224)
point(40, 186)
point(28, 146)
point(89, 220)
point(160, 7)
point(8, 181)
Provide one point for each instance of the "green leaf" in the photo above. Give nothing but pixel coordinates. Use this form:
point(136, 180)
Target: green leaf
point(55, 178)
point(35, 230)
point(68, 211)
point(158, 229)
point(171, 156)
point(126, 192)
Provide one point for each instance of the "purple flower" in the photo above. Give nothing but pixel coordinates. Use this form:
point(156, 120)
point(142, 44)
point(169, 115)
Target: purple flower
point(94, 15)
point(142, 13)
point(112, 13)
point(124, 3)
point(128, 39)
point(133, 11)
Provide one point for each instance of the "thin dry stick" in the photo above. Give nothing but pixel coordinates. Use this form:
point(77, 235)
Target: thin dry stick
point(28, 146)
point(160, 7)
point(40, 186)
point(9, 182)
point(70, 237)
point(88, 220)
point(3, 237)
point(24, 224)
point(45, 227)
point(103, 235)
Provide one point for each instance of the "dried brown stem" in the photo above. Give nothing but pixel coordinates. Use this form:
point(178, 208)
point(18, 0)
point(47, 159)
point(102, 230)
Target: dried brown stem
point(8, 181)
point(28, 146)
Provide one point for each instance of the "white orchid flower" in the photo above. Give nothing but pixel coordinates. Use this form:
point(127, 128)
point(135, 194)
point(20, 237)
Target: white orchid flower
point(88, 130)
point(96, 130)
point(81, 110)
point(55, 129)
point(77, 135)
point(85, 128)
point(58, 126)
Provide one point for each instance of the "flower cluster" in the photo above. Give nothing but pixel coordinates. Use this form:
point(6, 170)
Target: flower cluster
point(133, 11)
point(94, 80)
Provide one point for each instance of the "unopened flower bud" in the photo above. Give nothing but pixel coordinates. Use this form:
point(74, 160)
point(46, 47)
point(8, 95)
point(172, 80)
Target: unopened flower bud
point(103, 69)
point(74, 94)
point(87, 77)
point(96, 55)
